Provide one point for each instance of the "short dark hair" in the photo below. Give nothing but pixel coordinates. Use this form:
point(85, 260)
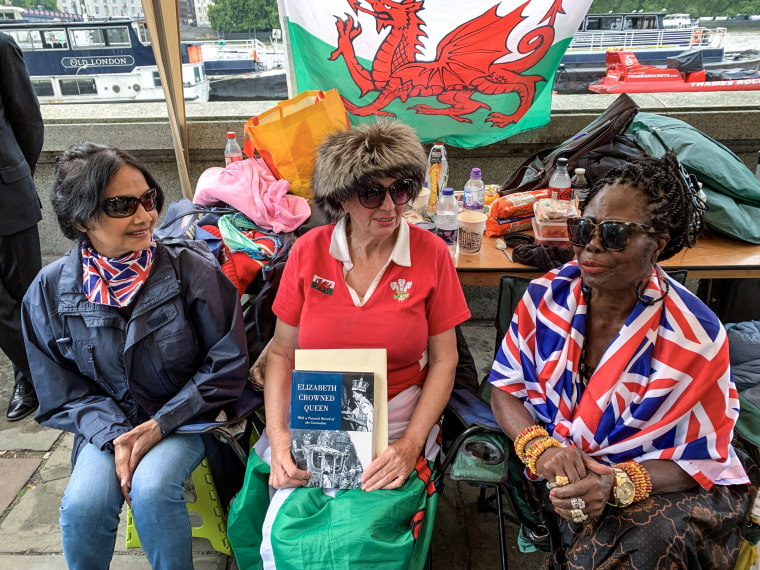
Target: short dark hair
point(678, 207)
point(81, 176)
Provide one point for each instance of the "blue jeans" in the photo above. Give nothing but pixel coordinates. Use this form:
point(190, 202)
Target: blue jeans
point(92, 502)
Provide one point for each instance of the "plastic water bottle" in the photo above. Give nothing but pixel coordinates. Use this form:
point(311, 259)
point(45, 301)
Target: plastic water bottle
point(232, 152)
point(474, 192)
point(579, 184)
point(446, 219)
point(436, 176)
point(560, 187)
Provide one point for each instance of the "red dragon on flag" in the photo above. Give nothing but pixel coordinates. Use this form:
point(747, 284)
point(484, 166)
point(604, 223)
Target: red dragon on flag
point(472, 58)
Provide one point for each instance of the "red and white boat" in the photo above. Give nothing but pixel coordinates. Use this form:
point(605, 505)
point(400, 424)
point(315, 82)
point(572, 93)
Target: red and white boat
point(684, 74)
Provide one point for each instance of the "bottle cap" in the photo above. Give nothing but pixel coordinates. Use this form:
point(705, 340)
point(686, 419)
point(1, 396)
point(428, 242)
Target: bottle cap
point(231, 135)
point(475, 173)
point(580, 171)
point(561, 162)
point(447, 191)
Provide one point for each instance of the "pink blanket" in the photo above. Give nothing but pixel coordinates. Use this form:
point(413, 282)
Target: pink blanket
point(250, 187)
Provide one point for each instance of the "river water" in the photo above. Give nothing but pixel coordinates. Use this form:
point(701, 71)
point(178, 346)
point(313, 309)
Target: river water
point(741, 40)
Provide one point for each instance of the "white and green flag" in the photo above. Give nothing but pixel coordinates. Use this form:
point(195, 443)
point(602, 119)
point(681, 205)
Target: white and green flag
point(468, 73)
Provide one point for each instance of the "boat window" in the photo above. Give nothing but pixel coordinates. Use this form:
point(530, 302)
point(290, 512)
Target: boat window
point(27, 40)
point(43, 87)
point(197, 74)
point(78, 86)
point(156, 79)
point(648, 22)
point(594, 23)
point(142, 32)
point(55, 39)
point(83, 38)
point(117, 37)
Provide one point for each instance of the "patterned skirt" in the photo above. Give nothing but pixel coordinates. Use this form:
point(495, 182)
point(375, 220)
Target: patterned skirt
point(683, 530)
point(695, 529)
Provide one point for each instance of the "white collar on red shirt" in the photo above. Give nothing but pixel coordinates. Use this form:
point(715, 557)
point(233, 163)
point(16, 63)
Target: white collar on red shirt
point(339, 245)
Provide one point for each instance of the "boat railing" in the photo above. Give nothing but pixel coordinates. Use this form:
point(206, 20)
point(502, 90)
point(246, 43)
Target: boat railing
point(605, 39)
point(267, 55)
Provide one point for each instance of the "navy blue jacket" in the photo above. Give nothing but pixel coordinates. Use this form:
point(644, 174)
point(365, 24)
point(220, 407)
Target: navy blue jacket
point(181, 354)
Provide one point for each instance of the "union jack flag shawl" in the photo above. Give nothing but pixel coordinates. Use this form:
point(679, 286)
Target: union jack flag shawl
point(115, 281)
point(663, 389)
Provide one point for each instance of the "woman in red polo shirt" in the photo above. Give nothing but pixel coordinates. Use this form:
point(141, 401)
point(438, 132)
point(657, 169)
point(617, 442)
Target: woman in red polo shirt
point(368, 280)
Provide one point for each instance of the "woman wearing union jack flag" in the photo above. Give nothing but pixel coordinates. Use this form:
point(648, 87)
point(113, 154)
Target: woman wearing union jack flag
point(128, 338)
point(614, 383)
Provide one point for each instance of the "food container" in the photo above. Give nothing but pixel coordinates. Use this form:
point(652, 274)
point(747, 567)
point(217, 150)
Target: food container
point(551, 233)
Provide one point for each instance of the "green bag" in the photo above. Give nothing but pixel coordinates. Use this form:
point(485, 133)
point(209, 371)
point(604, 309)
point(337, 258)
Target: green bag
point(733, 191)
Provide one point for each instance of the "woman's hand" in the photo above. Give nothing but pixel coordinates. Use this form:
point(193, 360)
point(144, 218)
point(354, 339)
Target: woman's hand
point(129, 448)
point(561, 461)
point(283, 472)
point(590, 494)
point(392, 467)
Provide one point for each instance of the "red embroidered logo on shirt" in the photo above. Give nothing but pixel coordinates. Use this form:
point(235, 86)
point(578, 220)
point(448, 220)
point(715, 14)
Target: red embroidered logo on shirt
point(401, 289)
point(322, 285)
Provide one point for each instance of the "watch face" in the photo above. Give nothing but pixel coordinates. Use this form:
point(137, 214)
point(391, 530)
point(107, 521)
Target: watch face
point(625, 491)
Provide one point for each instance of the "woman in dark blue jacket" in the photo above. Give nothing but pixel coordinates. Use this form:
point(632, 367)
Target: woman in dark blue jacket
point(128, 338)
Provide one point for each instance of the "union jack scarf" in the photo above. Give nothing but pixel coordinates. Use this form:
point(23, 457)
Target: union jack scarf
point(115, 282)
point(662, 390)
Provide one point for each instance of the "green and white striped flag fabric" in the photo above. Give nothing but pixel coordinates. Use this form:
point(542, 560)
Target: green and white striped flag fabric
point(466, 73)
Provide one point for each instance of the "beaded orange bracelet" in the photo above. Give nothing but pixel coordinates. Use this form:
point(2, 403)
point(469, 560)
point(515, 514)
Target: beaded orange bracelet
point(537, 449)
point(526, 435)
point(639, 477)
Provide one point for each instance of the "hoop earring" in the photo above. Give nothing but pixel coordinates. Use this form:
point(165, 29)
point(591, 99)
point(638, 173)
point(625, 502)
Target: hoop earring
point(650, 302)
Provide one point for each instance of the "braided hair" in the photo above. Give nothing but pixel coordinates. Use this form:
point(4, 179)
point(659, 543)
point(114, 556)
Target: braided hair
point(675, 194)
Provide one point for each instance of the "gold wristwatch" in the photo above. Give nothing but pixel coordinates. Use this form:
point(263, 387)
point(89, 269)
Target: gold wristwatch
point(624, 490)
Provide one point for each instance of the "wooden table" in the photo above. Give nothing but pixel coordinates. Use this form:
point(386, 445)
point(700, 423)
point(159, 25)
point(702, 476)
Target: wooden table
point(714, 256)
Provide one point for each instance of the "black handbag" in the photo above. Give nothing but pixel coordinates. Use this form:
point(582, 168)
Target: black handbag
point(536, 171)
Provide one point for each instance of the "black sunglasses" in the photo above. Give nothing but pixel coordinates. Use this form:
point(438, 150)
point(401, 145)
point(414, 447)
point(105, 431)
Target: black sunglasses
point(125, 206)
point(400, 191)
point(615, 234)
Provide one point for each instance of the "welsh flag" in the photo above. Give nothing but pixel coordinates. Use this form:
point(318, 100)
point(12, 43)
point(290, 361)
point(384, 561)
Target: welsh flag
point(468, 73)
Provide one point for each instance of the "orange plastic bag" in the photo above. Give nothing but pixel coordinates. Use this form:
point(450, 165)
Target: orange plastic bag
point(287, 136)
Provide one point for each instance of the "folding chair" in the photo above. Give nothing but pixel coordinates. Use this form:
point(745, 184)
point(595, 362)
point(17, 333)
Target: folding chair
point(242, 428)
point(483, 456)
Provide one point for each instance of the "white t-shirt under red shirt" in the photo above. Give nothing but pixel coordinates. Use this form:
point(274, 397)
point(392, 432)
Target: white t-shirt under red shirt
point(417, 296)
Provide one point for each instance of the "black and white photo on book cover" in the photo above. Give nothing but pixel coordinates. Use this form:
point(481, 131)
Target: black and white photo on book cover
point(332, 423)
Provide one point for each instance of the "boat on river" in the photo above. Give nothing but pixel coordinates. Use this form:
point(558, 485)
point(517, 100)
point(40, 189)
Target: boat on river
point(245, 70)
point(651, 37)
point(684, 74)
point(104, 61)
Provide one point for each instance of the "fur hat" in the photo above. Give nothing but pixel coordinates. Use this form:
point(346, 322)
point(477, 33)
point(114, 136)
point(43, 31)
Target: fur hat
point(349, 160)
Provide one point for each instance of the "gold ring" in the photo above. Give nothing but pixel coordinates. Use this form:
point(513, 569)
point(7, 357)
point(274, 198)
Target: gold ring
point(577, 503)
point(578, 515)
point(561, 481)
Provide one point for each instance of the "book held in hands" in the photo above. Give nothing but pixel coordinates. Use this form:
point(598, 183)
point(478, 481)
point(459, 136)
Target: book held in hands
point(332, 425)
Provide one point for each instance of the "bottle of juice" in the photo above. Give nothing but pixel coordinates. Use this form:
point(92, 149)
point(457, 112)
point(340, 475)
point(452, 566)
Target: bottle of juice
point(436, 176)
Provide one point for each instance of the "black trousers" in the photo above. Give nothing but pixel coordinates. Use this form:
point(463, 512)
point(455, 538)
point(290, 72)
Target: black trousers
point(20, 261)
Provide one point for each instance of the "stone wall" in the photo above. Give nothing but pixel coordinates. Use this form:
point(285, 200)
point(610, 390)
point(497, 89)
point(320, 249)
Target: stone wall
point(143, 129)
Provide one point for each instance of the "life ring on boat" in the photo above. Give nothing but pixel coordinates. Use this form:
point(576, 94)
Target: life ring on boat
point(696, 37)
point(255, 56)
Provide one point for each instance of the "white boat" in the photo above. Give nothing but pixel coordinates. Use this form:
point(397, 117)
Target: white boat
point(643, 33)
point(105, 61)
point(241, 70)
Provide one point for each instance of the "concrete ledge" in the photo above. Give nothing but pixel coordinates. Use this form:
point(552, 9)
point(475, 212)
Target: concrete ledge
point(143, 129)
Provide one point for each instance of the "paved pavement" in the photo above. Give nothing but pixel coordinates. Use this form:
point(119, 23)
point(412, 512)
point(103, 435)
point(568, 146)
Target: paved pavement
point(34, 470)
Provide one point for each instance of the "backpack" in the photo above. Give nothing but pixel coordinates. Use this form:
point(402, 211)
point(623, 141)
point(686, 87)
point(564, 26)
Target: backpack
point(733, 191)
point(537, 170)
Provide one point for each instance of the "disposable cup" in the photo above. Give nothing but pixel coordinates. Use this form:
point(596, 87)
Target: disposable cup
point(471, 227)
point(421, 201)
